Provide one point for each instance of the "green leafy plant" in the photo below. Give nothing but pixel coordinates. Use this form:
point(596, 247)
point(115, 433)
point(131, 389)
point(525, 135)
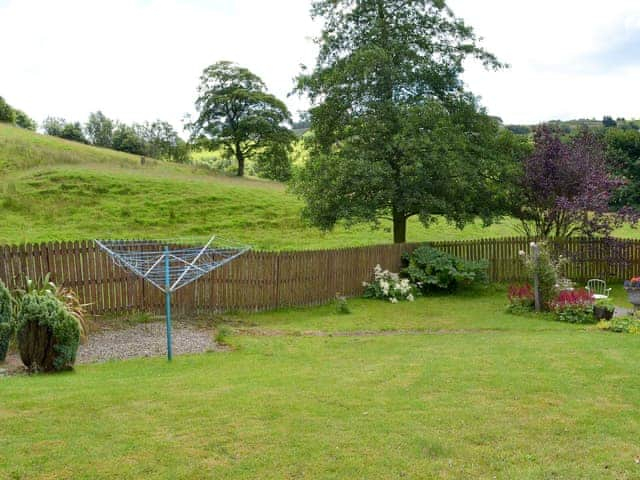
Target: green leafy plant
point(48, 334)
point(520, 299)
point(629, 324)
point(431, 269)
point(342, 307)
point(547, 270)
point(67, 296)
point(6, 320)
point(387, 285)
point(603, 309)
point(222, 333)
point(605, 303)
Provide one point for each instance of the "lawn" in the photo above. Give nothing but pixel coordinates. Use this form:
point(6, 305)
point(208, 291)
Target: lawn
point(447, 387)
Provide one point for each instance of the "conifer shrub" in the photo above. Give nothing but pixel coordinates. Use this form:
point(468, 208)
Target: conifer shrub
point(6, 320)
point(48, 334)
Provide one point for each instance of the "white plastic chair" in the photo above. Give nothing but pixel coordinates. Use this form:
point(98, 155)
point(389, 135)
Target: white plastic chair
point(598, 289)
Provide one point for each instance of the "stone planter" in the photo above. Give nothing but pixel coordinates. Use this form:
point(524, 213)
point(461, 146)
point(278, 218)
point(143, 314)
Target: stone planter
point(634, 296)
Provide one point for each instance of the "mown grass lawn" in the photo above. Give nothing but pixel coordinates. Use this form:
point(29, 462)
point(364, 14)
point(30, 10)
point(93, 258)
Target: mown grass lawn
point(477, 394)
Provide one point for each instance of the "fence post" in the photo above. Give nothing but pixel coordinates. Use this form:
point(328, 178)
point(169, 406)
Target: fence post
point(536, 281)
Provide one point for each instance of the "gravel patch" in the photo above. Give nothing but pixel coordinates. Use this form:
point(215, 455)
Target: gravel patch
point(144, 340)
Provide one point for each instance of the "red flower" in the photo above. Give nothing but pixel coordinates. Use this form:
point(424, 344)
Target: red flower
point(572, 297)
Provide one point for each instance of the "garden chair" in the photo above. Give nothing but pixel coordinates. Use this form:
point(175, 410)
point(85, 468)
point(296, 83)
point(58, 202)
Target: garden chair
point(598, 289)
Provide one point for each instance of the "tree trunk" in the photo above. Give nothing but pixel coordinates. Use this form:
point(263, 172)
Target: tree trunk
point(240, 157)
point(399, 227)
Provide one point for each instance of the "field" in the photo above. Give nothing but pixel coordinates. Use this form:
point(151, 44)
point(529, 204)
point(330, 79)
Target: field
point(447, 387)
point(51, 189)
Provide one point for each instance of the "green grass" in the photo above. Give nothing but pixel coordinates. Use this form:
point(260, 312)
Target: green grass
point(498, 397)
point(52, 189)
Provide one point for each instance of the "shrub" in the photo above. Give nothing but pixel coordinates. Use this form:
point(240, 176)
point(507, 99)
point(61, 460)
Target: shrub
point(520, 298)
point(6, 320)
point(50, 323)
point(389, 286)
point(342, 307)
point(25, 121)
point(7, 113)
point(48, 335)
point(574, 306)
point(433, 269)
point(222, 333)
point(547, 269)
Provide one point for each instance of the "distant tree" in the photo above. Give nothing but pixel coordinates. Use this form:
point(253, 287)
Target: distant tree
point(275, 162)
point(566, 188)
point(162, 141)
point(54, 126)
point(519, 129)
point(607, 121)
point(394, 133)
point(99, 129)
point(236, 112)
point(73, 131)
point(128, 139)
point(59, 127)
point(7, 113)
point(24, 121)
point(623, 150)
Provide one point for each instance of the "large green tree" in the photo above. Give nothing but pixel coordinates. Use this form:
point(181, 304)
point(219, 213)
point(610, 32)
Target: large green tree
point(235, 111)
point(394, 133)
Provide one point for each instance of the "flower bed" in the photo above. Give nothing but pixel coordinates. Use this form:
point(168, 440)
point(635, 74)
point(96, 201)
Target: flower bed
point(574, 306)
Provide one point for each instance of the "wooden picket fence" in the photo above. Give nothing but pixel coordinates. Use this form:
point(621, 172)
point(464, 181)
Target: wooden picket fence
point(267, 280)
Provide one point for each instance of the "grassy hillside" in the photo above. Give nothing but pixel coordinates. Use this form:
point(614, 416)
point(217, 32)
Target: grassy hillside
point(52, 189)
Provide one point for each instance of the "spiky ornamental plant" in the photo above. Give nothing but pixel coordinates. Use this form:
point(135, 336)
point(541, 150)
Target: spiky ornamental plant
point(48, 326)
point(6, 320)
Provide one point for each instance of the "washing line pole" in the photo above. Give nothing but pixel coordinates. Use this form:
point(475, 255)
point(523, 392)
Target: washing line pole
point(145, 259)
point(167, 300)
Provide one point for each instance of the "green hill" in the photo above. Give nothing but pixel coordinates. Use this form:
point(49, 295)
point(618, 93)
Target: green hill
point(52, 189)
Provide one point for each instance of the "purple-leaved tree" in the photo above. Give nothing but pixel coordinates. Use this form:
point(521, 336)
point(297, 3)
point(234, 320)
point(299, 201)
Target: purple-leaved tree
point(566, 188)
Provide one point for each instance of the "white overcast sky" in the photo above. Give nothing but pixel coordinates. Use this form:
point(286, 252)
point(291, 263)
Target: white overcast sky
point(140, 60)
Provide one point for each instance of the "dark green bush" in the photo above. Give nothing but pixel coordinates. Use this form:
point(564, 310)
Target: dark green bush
point(7, 113)
point(48, 335)
point(433, 269)
point(6, 320)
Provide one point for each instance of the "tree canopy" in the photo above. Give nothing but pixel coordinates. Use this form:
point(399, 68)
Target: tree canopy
point(99, 129)
point(59, 127)
point(566, 187)
point(394, 133)
point(8, 114)
point(236, 111)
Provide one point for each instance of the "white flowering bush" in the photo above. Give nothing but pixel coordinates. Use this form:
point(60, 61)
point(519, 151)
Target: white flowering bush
point(387, 285)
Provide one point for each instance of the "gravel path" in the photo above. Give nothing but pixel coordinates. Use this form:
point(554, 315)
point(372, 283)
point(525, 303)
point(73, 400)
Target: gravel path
point(144, 340)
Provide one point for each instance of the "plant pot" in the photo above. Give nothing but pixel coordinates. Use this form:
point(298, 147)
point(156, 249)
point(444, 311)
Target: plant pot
point(603, 313)
point(634, 296)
